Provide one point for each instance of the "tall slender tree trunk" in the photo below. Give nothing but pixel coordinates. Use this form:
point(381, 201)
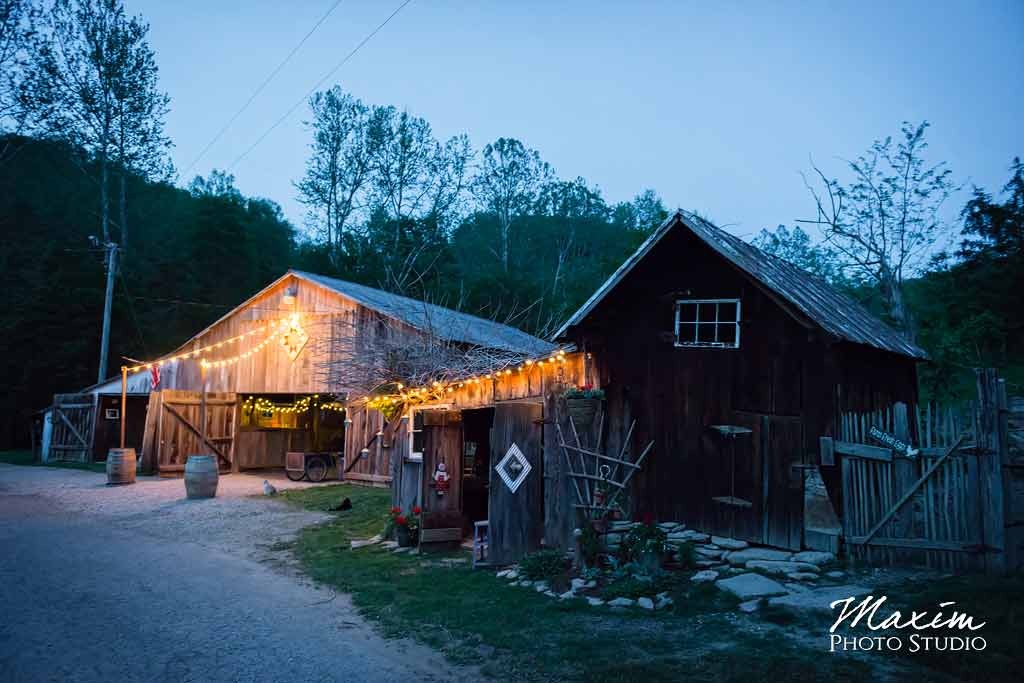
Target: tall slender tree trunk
point(122, 208)
point(104, 196)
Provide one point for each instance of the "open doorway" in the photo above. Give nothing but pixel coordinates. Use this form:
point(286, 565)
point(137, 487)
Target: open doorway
point(476, 463)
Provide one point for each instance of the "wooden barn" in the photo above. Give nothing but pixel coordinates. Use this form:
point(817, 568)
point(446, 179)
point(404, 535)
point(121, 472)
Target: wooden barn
point(733, 363)
point(722, 367)
point(270, 373)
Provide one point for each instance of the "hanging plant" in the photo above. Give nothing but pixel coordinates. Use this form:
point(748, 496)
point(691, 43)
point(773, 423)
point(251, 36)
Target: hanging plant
point(582, 403)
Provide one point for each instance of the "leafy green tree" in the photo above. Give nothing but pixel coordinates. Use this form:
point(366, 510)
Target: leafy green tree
point(796, 247)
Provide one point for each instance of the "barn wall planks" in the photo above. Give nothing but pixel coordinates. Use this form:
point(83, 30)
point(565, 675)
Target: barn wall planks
point(787, 381)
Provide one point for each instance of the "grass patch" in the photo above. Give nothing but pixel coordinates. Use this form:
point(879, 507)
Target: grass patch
point(515, 633)
point(26, 458)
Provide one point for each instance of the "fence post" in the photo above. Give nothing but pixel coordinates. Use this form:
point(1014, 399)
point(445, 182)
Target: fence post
point(990, 441)
point(905, 473)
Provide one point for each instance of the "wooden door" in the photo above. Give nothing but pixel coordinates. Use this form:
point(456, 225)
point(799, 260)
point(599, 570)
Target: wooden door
point(516, 501)
point(174, 419)
point(442, 509)
point(783, 482)
point(72, 434)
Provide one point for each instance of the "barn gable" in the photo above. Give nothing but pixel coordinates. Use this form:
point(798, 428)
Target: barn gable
point(804, 296)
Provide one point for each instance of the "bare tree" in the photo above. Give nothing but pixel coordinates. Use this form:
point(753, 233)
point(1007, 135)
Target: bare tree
point(507, 183)
point(365, 358)
point(886, 222)
point(338, 169)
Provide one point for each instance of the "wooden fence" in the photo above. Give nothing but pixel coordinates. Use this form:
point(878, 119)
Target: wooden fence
point(939, 492)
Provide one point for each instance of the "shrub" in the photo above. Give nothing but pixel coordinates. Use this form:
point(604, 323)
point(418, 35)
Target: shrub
point(543, 564)
point(686, 555)
point(643, 543)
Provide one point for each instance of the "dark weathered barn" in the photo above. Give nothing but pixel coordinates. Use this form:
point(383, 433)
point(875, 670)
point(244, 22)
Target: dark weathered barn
point(733, 363)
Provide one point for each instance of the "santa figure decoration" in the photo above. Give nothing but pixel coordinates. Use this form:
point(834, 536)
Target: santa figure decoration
point(441, 478)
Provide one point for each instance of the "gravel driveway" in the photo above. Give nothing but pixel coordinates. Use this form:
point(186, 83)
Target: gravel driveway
point(134, 583)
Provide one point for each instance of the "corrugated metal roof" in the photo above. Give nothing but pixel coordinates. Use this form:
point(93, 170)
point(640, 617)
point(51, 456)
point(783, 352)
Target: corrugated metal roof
point(437, 320)
point(819, 302)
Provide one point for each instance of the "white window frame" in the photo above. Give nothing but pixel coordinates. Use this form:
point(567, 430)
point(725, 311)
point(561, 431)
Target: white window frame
point(696, 343)
point(417, 456)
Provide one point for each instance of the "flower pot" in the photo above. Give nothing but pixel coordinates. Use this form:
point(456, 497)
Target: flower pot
point(582, 410)
point(403, 536)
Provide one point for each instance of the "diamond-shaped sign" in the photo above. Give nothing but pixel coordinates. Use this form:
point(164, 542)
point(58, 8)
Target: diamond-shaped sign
point(513, 468)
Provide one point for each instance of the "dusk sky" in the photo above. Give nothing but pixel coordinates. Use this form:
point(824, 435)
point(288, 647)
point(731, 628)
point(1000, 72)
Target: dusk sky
point(716, 106)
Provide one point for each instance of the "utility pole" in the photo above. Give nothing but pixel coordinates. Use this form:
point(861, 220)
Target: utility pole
point(107, 304)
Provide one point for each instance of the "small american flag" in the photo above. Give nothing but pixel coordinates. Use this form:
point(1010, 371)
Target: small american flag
point(154, 377)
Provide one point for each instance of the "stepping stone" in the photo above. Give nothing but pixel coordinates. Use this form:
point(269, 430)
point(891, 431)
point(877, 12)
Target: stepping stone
point(399, 551)
point(748, 586)
point(590, 584)
point(540, 586)
point(566, 595)
point(550, 594)
point(797, 588)
point(367, 542)
point(750, 605)
point(835, 574)
point(781, 567)
point(621, 526)
point(504, 574)
point(710, 554)
point(646, 603)
point(729, 543)
point(621, 602)
point(741, 557)
point(705, 576)
point(819, 599)
point(802, 576)
point(708, 564)
point(815, 557)
point(389, 544)
point(526, 584)
point(595, 602)
point(578, 584)
point(663, 603)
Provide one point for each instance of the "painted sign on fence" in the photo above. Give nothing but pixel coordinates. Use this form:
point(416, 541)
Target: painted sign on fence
point(892, 442)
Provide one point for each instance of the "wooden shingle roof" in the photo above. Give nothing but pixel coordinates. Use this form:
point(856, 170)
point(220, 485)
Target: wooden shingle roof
point(813, 298)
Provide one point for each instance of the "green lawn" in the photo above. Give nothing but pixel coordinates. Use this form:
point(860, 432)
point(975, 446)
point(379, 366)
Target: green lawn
point(514, 633)
point(25, 458)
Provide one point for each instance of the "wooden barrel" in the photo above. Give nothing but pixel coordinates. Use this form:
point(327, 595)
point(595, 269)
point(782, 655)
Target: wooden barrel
point(201, 476)
point(120, 466)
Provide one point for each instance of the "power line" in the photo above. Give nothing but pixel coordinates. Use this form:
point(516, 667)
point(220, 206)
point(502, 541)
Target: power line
point(259, 89)
point(312, 90)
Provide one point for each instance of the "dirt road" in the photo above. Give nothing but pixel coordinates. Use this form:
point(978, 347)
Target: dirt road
point(135, 583)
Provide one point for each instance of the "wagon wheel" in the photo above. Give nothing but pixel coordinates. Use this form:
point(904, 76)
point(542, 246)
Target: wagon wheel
point(294, 476)
point(316, 469)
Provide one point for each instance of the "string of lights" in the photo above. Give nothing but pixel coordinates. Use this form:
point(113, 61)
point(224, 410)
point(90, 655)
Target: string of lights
point(277, 330)
point(439, 389)
point(260, 404)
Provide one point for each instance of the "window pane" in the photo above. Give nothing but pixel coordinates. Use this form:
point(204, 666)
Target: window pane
point(418, 439)
point(727, 311)
point(688, 314)
point(707, 333)
point(687, 333)
point(727, 334)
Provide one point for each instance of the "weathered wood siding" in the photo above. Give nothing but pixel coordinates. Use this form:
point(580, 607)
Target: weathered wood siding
point(783, 383)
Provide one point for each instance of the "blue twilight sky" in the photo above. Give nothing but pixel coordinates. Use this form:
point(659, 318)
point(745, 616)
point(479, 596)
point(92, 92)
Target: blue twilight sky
point(715, 105)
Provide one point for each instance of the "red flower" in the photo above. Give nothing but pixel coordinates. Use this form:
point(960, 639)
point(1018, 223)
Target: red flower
point(396, 510)
point(400, 520)
point(417, 510)
point(648, 519)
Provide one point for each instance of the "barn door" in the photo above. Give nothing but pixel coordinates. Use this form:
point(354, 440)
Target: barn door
point(72, 419)
point(178, 429)
point(516, 498)
point(442, 443)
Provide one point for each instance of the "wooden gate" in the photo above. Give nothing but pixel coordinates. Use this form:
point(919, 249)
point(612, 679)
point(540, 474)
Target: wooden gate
point(173, 429)
point(516, 491)
point(939, 505)
point(72, 417)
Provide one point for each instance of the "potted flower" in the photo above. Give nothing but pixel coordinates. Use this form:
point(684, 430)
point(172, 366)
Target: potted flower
point(406, 527)
point(582, 403)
